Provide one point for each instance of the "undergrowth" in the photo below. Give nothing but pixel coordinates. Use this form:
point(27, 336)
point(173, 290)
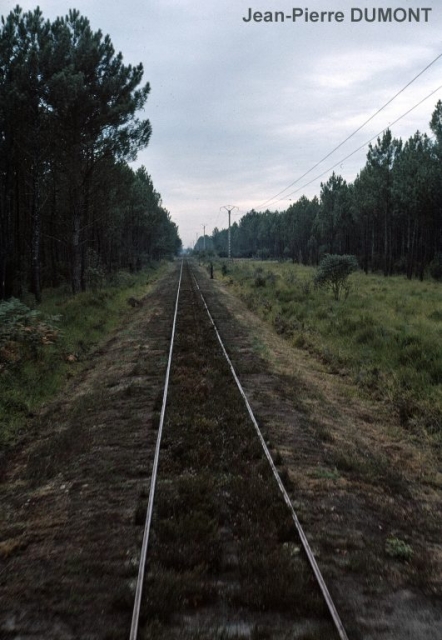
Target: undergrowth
point(387, 334)
point(41, 347)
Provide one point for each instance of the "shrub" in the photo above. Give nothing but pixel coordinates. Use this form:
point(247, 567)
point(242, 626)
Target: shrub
point(260, 281)
point(333, 273)
point(22, 331)
point(436, 267)
point(397, 548)
point(96, 277)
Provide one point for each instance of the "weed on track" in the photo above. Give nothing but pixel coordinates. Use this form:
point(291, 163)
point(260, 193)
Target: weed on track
point(224, 550)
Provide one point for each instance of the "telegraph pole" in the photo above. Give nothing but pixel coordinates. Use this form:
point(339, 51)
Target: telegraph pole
point(204, 227)
point(229, 208)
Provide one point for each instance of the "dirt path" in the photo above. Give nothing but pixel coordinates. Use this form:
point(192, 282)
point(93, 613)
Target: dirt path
point(69, 541)
point(70, 533)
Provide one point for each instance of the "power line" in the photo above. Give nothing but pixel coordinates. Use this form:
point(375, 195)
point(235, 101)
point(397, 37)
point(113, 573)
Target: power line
point(352, 134)
point(229, 208)
point(361, 147)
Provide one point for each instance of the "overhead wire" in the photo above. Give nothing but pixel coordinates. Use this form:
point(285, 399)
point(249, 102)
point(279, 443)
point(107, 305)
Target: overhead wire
point(352, 134)
point(362, 146)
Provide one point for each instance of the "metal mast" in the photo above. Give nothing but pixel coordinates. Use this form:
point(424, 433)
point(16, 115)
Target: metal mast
point(229, 208)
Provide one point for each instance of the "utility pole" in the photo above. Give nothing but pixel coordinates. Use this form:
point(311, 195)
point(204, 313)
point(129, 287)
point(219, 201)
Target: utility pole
point(204, 227)
point(229, 208)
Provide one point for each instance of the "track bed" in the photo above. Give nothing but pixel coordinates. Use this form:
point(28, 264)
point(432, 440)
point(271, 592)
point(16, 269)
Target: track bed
point(224, 559)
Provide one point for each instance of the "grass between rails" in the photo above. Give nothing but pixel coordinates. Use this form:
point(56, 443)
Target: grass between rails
point(223, 544)
point(31, 376)
point(387, 334)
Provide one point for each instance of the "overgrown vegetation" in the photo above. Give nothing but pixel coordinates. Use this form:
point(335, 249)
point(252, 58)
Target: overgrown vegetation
point(23, 332)
point(386, 335)
point(222, 534)
point(38, 349)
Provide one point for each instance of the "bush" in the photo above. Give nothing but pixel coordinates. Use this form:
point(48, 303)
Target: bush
point(333, 273)
point(436, 267)
point(96, 278)
point(398, 549)
point(23, 332)
point(260, 280)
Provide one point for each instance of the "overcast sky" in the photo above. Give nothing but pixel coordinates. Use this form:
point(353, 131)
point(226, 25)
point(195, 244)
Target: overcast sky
point(241, 110)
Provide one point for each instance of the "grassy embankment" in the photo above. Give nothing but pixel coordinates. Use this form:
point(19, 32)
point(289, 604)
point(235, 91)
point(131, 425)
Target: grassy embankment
point(40, 349)
point(387, 334)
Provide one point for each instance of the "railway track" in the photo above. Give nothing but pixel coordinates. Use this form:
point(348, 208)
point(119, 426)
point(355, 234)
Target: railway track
point(223, 552)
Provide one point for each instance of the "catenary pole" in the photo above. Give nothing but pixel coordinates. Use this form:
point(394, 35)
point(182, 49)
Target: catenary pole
point(229, 208)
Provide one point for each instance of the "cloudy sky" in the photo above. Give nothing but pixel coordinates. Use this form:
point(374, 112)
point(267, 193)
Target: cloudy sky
point(240, 110)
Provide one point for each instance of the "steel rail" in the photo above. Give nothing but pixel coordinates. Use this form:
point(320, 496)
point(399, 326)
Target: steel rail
point(305, 543)
point(142, 564)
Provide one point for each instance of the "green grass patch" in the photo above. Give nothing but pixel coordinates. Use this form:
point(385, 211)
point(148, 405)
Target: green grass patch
point(387, 334)
point(398, 549)
point(326, 474)
point(45, 345)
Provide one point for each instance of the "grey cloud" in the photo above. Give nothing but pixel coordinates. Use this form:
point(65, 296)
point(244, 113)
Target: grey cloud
point(241, 110)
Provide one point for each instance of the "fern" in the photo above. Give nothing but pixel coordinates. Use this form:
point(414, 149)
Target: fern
point(23, 330)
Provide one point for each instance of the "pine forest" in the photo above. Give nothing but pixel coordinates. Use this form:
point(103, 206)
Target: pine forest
point(71, 207)
point(390, 217)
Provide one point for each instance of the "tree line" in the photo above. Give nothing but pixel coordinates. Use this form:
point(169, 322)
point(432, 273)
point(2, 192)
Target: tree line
point(69, 201)
point(390, 217)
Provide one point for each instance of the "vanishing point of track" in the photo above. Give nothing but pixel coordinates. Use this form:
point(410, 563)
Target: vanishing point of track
point(224, 567)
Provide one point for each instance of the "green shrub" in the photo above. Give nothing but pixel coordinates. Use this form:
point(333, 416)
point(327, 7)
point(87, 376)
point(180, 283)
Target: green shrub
point(436, 267)
point(260, 280)
point(397, 548)
point(333, 273)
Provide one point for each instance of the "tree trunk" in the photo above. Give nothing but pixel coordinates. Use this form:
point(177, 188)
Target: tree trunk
point(36, 241)
point(411, 252)
point(76, 252)
point(54, 253)
point(3, 244)
point(386, 243)
point(2, 277)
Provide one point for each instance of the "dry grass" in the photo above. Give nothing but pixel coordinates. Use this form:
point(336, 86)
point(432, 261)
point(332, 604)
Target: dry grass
point(359, 465)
